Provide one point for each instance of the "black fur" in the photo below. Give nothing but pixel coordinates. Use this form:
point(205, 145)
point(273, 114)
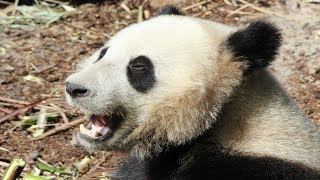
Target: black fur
point(102, 53)
point(169, 10)
point(76, 90)
point(140, 73)
point(209, 161)
point(258, 44)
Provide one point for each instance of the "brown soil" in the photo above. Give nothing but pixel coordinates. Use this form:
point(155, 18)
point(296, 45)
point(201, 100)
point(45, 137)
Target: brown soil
point(51, 53)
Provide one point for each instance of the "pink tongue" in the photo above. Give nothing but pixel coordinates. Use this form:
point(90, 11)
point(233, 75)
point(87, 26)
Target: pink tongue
point(101, 121)
point(99, 125)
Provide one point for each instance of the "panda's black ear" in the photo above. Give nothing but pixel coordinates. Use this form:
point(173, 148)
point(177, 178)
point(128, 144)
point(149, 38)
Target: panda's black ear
point(170, 10)
point(258, 44)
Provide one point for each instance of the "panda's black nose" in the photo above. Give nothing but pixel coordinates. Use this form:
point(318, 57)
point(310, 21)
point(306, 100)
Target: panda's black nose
point(76, 90)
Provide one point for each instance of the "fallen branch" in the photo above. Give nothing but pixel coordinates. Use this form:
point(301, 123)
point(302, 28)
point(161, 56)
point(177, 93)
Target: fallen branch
point(63, 127)
point(16, 112)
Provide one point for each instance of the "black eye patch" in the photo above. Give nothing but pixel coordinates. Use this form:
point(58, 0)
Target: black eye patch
point(102, 53)
point(140, 73)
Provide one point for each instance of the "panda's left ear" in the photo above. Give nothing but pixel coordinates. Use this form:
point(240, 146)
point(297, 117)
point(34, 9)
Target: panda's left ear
point(170, 10)
point(258, 44)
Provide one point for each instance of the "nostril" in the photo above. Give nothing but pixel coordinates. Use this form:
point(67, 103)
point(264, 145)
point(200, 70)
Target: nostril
point(75, 90)
point(78, 92)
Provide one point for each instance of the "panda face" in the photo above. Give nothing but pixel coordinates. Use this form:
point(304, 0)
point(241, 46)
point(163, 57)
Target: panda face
point(155, 83)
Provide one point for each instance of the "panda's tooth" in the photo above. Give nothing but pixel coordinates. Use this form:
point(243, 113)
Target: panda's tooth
point(82, 128)
point(103, 130)
point(94, 134)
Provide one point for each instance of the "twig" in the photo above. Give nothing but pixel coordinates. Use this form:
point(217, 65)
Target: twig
point(16, 2)
point(42, 161)
point(4, 149)
point(264, 10)
point(34, 67)
point(195, 5)
point(140, 13)
point(5, 110)
point(81, 28)
point(51, 96)
point(230, 3)
point(237, 10)
point(15, 127)
point(125, 7)
point(63, 115)
point(9, 104)
point(16, 112)
point(38, 107)
point(46, 68)
point(61, 128)
point(13, 101)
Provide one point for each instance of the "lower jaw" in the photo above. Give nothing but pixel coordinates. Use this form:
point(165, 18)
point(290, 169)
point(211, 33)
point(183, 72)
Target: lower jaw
point(105, 143)
point(104, 137)
point(92, 143)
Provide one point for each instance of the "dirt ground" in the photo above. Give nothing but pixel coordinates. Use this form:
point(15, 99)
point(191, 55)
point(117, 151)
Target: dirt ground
point(35, 60)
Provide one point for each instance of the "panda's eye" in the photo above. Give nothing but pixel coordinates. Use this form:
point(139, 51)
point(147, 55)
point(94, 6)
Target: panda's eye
point(139, 66)
point(140, 73)
point(102, 53)
point(140, 63)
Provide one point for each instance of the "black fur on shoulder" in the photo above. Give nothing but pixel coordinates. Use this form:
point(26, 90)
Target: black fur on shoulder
point(258, 44)
point(169, 10)
point(210, 161)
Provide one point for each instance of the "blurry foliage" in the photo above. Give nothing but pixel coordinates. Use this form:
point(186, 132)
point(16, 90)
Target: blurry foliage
point(41, 13)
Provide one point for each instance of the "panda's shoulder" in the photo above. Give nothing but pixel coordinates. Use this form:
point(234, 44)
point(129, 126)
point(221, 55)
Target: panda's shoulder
point(207, 160)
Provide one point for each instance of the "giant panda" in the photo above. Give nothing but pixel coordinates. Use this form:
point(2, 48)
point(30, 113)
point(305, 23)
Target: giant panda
point(189, 98)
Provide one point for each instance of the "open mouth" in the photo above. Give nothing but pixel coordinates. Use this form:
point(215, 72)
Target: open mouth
point(101, 126)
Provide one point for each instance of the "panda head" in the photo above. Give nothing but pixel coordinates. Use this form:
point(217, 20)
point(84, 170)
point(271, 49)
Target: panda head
point(163, 81)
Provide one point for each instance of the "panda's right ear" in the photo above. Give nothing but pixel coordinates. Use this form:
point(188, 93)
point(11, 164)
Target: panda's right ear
point(170, 10)
point(258, 44)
